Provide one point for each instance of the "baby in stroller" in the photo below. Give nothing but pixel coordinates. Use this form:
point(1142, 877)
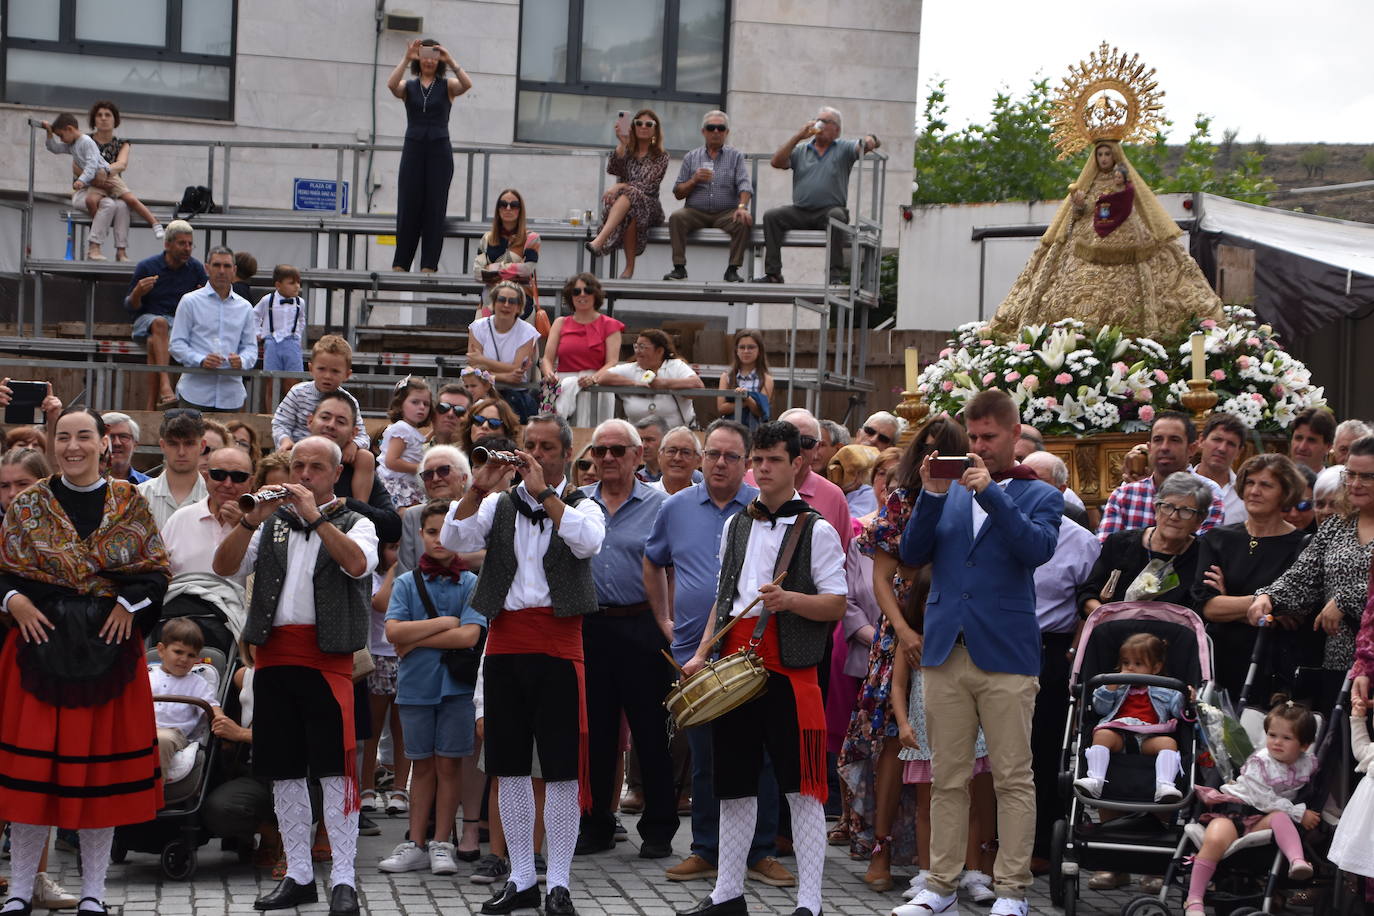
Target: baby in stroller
point(1146, 717)
point(179, 649)
point(1262, 797)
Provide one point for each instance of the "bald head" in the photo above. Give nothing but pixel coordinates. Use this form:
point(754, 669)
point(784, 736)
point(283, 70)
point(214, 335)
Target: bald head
point(803, 420)
point(1050, 469)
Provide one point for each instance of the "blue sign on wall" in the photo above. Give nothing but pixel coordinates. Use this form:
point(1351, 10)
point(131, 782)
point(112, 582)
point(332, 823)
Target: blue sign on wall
point(317, 194)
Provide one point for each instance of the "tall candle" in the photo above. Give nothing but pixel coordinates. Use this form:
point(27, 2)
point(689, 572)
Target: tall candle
point(1199, 356)
point(913, 368)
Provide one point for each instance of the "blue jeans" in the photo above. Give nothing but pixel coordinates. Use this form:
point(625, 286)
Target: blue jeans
point(706, 809)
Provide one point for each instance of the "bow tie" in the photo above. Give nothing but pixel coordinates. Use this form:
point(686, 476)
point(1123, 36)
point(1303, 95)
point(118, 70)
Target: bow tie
point(536, 516)
point(291, 301)
point(759, 512)
point(431, 567)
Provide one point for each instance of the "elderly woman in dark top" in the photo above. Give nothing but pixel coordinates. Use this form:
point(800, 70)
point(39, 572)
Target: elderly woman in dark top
point(427, 156)
point(631, 207)
point(1158, 563)
point(1235, 560)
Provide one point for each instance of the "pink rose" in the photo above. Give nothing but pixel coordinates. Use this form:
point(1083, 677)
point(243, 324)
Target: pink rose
point(1051, 402)
point(989, 377)
point(946, 352)
point(1119, 367)
point(1161, 376)
point(1279, 391)
point(986, 342)
point(947, 385)
point(1012, 376)
point(1243, 362)
point(1209, 324)
point(1252, 341)
point(1031, 383)
point(1063, 378)
point(1259, 398)
point(1143, 395)
point(1218, 375)
point(1147, 414)
point(1021, 347)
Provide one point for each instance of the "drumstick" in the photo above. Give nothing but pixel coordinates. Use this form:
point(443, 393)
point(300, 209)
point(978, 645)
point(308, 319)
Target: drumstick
point(745, 613)
point(673, 662)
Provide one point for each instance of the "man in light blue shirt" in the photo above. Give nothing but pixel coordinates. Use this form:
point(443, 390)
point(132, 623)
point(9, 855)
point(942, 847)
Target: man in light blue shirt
point(214, 328)
point(714, 181)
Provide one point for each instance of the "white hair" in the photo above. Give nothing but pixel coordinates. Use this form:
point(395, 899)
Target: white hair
point(681, 431)
point(1358, 427)
point(717, 113)
point(882, 416)
point(335, 452)
point(619, 425)
point(1330, 479)
point(1052, 464)
point(178, 227)
point(839, 119)
point(791, 415)
point(113, 417)
point(454, 456)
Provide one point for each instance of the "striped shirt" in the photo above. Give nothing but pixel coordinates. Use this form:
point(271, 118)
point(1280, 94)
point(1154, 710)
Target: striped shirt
point(292, 416)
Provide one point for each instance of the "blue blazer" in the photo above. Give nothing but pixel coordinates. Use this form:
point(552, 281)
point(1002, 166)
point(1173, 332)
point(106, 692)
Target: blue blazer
point(984, 586)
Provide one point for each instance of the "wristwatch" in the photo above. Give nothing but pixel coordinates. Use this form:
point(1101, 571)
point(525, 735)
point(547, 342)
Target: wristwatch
point(545, 494)
point(320, 520)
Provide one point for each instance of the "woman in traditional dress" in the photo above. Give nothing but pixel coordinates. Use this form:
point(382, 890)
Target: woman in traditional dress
point(83, 572)
point(1110, 257)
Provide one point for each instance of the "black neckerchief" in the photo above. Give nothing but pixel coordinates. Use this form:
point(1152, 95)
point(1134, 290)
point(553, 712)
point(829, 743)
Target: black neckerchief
point(759, 512)
point(536, 516)
point(293, 521)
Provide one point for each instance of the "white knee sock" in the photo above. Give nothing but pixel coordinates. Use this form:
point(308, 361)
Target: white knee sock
point(1097, 757)
point(515, 799)
point(291, 798)
point(342, 827)
point(1167, 767)
point(808, 839)
point(737, 821)
point(26, 851)
point(562, 817)
point(95, 860)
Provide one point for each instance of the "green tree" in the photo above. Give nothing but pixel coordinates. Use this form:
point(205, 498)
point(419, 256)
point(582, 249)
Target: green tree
point(1369, 163)
point(1315, 159)
point(1012, 158)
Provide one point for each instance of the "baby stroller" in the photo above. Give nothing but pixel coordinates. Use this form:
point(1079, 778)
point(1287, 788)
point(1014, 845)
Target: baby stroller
point(1146, 835)
point(176, 833)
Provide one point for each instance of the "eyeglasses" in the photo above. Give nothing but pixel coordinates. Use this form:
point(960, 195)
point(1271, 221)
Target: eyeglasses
point(870, 431)
point(712, 455)
point(809, 442)
point(715, 128)
point(643, 345)
point(645, 122)
point(493, 422)
point(583, 464)
point(827, 120)
point(506, 300)
point(1169, 510)
point(1361, 476)
point(617, 451)
point(508, 205)
point(580, 291)
point(243, 443)
point(222, 474)
point(676, 452)
point(441, 472)
point(445, 407)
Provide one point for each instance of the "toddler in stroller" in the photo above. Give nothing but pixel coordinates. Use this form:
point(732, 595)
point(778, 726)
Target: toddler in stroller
point(178, 722)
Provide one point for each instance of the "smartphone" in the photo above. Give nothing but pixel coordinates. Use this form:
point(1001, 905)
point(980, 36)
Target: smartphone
point(25, 400)
point(429, 50)
point(622, 123)
point(949, 468)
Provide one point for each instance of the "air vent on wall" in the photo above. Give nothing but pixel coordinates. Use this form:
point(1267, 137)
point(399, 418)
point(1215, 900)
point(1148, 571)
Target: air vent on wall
point(404, 22)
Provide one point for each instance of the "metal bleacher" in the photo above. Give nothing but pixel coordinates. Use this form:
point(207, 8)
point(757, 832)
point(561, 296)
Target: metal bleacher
point(346, 295)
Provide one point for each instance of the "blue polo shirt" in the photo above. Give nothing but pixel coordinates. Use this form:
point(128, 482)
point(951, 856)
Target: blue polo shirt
point(422, 679)
point(171, 285)
point(618, 569)
point(686, 536)
point(823, 180)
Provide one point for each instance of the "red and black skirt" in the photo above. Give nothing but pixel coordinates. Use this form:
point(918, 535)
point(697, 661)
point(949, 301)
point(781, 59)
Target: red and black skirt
point(76, 768)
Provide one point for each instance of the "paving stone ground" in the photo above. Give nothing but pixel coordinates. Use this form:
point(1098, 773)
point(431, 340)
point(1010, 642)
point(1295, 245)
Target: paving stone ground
point(615, 883)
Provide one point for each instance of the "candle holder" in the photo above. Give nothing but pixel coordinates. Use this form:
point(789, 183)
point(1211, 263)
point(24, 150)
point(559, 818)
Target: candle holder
point(1200, 398)
point(914, 411)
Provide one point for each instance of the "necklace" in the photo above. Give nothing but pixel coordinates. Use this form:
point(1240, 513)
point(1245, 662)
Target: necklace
point(424, 94)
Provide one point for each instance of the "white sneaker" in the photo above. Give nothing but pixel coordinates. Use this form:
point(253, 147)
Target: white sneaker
point(441, 860)
point(978, 886)
point(372, 800)
point(1089, 785)
point(918, 884)
point(398, 803)
point(1167, 791)
point(929, 903)
point(49, 895)
point(405, 857)
point(1008, 906)
point(158, 231)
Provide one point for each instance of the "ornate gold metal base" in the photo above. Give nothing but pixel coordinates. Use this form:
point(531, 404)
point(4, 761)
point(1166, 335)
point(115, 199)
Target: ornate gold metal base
point(1200, 399)
point(914, 411)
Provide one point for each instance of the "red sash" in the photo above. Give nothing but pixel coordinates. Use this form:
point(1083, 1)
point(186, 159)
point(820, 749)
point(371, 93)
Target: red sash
point(536, 631)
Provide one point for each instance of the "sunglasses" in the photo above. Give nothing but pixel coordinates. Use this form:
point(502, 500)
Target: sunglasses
point(506, 300)
point(508, 205)
point(645, 122)
point(870, 431)
point(716, 128)
point(445, 407)
point(583, 464)
point(581, 291)
point(493, 422)
point(181, 412)
point(1303, 506)
point(617, 451)
point(441, 472)
point(223, 474)
point(809, 442)
point(205, 450)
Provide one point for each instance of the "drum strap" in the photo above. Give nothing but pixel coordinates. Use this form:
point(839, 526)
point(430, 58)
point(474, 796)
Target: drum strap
point(789, 549)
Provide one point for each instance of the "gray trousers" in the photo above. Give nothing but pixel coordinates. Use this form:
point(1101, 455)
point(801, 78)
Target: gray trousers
point(688, 220)
point(780, 219)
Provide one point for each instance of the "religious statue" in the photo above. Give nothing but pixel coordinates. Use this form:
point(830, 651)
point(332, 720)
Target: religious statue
point(1110, 255)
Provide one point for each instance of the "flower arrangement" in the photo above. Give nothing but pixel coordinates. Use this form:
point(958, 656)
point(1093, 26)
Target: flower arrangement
point(1070, 379)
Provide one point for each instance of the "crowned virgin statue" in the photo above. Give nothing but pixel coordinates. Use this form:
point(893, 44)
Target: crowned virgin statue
point(1110, 257)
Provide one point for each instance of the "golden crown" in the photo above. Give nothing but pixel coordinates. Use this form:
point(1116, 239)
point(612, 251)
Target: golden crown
point(1107, 97)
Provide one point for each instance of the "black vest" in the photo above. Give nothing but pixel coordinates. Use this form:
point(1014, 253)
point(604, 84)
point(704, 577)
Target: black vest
point(570, 579)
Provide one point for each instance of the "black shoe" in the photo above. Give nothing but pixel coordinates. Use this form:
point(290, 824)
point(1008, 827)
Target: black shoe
point(735, 906)
point(24, 910)
point(343, 901)
point(559, 903)
point(288, 894)
point(679, 272)
point(367, 826)
point(649, 850)
point(769, 278)
point(490, 869)
point(588, 846)
point(803, 911)
point(620, 833)
point(467, 855)
point(732, 275)
point(510, 899)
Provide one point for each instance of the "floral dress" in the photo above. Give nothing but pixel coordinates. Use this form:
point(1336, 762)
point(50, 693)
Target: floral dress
point(642, 176)
point(871, 723)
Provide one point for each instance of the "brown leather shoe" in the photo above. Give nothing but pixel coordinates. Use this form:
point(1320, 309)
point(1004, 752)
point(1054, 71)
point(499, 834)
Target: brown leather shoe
point(690, 869)
point(770, 871)
point(632, 803)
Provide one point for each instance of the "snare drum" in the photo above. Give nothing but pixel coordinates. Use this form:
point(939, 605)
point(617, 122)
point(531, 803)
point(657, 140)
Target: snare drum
point(717, 688)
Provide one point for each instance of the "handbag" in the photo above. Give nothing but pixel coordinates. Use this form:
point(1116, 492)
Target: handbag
point(196, 199)
point(461, 663)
